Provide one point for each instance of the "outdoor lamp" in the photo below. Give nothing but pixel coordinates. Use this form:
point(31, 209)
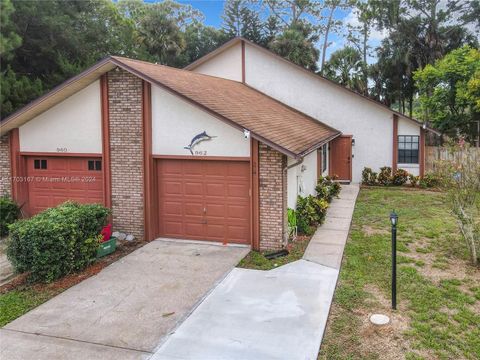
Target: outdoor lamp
point(393, 218)
point(394, 221)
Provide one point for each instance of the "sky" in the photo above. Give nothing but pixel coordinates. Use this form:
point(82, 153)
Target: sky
point(213, 9)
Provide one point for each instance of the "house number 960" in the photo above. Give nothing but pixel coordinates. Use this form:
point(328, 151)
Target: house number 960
point(62, 149)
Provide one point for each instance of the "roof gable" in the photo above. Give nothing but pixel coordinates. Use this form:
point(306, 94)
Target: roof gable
point(320, 78)
point(285, 129)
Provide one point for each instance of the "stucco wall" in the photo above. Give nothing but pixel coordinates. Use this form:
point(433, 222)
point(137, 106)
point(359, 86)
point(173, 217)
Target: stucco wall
point(175, 122)
point(302, 178)
point(73, 126)
point(227, 64)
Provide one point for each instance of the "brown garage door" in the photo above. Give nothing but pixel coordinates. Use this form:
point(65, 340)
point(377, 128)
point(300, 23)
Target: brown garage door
point(204, 200)
point(54, 180)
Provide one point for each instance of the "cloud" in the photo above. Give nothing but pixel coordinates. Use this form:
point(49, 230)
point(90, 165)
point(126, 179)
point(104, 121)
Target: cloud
point(375, 34)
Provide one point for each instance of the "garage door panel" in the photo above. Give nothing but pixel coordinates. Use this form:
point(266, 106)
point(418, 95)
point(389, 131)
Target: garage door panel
point(64, 178)
point(219, 187)
point(173, 208)
point(193, 188)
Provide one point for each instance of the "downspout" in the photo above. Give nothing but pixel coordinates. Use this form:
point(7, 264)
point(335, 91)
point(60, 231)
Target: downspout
point(285, 174)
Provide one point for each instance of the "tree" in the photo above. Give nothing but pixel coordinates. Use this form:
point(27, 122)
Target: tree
point(296, 44)
point(240, 19)
point(448, 94)
point(346, 68)
point(9, 39)
point(331, 25)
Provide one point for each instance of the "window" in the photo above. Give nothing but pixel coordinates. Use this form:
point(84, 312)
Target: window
point(95, 165)
point(408, 149)
point(324, 157)
point(40, 164)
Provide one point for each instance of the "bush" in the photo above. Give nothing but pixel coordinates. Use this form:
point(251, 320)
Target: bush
point(9, 212)
point(327, 189)
point(385, 176)
point(429, 181)
point(369, 177)
point(57, 241)
point(292, 223)
point(399, 177)
point(413, 180)
point(311, 212)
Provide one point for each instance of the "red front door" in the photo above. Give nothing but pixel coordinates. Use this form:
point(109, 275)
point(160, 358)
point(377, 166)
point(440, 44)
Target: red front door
point(204, 200)
point(341, 158)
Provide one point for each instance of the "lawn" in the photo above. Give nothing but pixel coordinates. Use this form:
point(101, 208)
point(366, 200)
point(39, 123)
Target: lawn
point(438, 314)
point(257, 260)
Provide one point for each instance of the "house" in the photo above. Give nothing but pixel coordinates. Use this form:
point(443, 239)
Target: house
point(216, 151)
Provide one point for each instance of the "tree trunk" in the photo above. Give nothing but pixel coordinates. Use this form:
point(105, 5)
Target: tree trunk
point(325, 40)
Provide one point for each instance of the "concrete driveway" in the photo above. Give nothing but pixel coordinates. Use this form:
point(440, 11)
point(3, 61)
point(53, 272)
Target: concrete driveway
point(126, 310)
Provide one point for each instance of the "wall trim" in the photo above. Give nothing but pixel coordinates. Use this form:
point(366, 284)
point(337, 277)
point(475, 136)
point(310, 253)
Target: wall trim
point(149, 203)
point(107, 185)
point(190, 157)
point(255, 195)
point(422, 153)
point(14, 142)
point(243, 61)
point(61, 154)
point(395, 143)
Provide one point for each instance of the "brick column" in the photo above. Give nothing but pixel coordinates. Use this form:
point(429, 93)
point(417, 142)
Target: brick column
point(5, 166)
point(126, 151)
point(273, 197)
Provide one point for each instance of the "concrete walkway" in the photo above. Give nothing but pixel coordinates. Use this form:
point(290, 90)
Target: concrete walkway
point(124, 311)
point(276, 314)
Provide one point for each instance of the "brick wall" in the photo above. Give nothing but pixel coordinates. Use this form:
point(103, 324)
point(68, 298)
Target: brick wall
point(5, 170)
point(126, 151)
point(273, 197)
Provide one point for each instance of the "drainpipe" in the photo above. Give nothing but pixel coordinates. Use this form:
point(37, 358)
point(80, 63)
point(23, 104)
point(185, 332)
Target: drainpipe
point(285, 169)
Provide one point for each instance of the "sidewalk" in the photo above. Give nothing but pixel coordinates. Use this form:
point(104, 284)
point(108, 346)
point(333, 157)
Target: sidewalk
point(276, 314)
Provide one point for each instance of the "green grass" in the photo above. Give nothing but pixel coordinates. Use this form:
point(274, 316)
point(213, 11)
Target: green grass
point(15, 303)
point(441, 317)
point(257, 260)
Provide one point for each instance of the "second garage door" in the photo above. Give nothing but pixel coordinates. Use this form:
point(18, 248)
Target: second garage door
point(53, 180)
point(204, 200)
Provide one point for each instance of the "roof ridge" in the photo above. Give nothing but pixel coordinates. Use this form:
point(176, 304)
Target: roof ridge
point(171, 68)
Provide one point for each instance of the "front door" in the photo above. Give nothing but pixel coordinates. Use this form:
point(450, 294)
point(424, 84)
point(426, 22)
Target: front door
point(341, 158)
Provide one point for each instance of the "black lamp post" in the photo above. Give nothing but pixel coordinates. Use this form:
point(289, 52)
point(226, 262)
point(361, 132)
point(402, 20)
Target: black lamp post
point(394, 221)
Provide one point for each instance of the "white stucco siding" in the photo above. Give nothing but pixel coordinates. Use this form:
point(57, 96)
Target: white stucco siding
point(175, 122)
point(370, 125)
point(406, 127)
point(72, 126)
point(227, 64)
point(301, 179)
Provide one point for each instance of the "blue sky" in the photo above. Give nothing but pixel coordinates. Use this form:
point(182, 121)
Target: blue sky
point(213, 9)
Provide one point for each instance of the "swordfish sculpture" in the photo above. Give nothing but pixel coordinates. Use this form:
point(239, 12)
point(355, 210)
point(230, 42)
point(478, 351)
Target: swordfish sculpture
point(198, 139)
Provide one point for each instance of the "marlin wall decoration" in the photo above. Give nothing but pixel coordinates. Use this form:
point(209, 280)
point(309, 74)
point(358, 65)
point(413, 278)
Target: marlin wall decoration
point(198, 139)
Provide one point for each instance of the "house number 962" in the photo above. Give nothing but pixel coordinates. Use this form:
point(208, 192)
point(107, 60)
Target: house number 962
point(62, 149)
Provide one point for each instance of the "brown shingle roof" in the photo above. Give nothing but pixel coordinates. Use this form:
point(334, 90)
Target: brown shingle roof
point(271, 121)
point(268, 120)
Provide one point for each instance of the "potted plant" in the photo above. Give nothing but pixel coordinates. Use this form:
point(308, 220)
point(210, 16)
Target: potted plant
point(108, 243)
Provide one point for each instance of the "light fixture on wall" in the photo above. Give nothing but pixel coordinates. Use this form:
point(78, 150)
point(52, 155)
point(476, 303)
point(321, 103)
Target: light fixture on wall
point(303, 168)
point(353, 142)
point(246, 133)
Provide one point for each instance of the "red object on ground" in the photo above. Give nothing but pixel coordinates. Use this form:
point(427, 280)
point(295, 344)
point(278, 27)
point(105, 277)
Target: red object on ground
point(106, 232)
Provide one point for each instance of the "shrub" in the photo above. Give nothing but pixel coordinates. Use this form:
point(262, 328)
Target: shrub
point(369, 177)
point(311, 212)
point(429, 181)
point(9, 212)
point(57, 241)
point(385, 176)
point(327, 189)
point(413, 180)
point(399, 177)
point(292, 223)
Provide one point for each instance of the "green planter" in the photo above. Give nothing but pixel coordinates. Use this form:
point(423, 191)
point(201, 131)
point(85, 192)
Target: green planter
point(107, 247)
